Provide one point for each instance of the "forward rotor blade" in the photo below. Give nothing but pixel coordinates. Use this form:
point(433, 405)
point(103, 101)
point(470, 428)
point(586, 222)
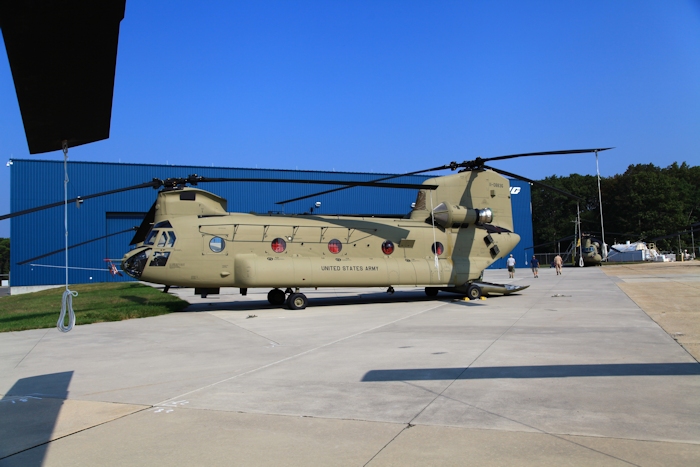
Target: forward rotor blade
point(546, 153)
point(443, 167)
point(413, 186)
point(151, 184)
point(74, 246)
point(534, 182)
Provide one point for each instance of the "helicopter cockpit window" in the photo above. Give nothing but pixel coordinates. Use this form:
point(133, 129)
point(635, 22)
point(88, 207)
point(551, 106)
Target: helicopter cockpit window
point(334, 246)
point(171, 239)
point(167, 239)
point(217, 244)
point(159, 258)
point(163, 240)
point(278, 245)
point(388, 247)
point(163, 225)
point(151, 237)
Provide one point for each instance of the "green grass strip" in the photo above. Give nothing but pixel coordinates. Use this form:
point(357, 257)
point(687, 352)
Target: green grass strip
point(95, 303)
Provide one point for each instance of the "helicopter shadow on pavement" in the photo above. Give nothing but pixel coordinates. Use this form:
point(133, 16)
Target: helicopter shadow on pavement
point(28, 415)
point(326, 301)
point(532, 372)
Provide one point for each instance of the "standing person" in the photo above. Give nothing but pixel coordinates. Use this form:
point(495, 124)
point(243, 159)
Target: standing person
point(535, 264)
point(510, 262)
point(557, 264)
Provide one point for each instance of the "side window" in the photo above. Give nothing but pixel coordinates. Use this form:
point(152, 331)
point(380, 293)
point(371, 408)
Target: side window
point(217, 244)
point(171, 239)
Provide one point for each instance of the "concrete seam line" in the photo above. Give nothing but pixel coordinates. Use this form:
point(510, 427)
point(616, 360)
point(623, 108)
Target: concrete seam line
point(242, 328)
point(32, 349)
point(298, 355)
point(387, 444)
point(76, 432)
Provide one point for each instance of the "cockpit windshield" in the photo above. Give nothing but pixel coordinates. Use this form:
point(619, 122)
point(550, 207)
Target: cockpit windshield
point(151, 237)
point(166, 239)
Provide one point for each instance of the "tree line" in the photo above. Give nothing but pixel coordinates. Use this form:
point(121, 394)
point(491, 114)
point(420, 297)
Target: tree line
point(644, 203)
point(4, 256)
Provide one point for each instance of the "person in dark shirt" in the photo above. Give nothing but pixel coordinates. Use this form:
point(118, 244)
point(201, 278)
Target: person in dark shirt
point(535, 265)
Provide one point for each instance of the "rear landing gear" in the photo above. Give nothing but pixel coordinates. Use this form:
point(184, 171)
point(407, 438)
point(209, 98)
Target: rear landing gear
point(474, 292)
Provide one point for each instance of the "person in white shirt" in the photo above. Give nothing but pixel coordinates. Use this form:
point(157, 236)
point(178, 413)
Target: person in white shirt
point(510, 262)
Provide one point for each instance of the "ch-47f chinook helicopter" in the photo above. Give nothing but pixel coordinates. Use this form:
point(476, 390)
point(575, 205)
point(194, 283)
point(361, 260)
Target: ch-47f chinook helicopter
point(460, 224)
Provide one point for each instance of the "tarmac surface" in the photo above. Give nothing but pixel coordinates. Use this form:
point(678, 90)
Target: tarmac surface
point(569, 372)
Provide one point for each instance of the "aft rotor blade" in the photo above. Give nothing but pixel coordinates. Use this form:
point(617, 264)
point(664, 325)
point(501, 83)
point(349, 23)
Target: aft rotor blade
point(151, 184)
point(442, 167)
point(74, 246)
point(534, 182)
point(546, 153)
point(145, 226)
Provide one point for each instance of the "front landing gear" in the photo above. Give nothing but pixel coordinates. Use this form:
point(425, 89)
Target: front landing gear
point(275, 297)
point(297, 301)
point(294, 301)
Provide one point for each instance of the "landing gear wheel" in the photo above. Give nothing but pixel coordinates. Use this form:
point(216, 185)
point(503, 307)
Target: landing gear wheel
point(474, 292)
point(297, 301)
point(275, 297)
point(431, 291)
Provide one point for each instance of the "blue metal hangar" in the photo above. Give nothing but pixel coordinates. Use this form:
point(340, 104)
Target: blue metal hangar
point(100, 229)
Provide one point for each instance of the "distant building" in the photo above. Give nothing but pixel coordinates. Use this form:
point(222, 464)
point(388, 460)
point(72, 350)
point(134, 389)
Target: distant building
point(101, 228)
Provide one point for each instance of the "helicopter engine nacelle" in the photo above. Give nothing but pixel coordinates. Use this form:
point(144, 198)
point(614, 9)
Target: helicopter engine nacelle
point(448, 215)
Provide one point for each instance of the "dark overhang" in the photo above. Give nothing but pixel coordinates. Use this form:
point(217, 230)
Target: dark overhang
point(63, 56)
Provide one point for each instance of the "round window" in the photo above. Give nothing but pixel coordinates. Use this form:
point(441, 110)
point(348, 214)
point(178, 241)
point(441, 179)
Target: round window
point(278, 245)
point(438, 249)
point(334, 246)
point(217, 244)
point(388, 247)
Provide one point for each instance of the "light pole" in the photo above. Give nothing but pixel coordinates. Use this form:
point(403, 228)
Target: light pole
point(692, 236)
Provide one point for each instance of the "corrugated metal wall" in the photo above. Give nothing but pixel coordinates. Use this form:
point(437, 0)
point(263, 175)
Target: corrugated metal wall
point(522, 225)
point(36, 182)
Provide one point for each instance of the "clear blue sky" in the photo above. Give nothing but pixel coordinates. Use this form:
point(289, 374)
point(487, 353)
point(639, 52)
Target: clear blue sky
point(395, 86)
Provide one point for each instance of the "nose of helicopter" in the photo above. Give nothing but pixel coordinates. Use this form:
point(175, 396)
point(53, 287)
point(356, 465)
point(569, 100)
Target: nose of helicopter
point(134, 262)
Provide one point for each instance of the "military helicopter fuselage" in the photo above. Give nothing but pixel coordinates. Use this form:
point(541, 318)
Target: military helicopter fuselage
point(590, 251)
point(452, 234)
